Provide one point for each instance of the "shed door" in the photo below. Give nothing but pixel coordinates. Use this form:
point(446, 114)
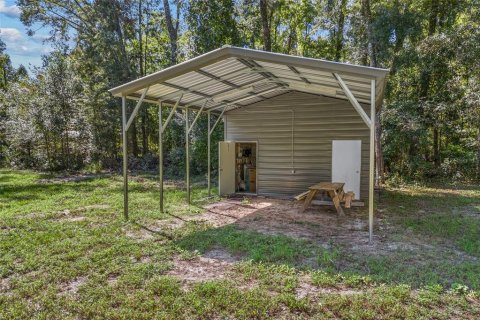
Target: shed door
point(346, 164)
point(226, 176)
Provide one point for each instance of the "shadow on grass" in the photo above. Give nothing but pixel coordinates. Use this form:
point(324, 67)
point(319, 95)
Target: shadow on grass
point(35, 191)
point(251, 245)
point(155, 232)
point(428, 199)
point(402, 267)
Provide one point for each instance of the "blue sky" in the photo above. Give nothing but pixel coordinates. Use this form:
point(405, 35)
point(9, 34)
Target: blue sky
point(22, 48)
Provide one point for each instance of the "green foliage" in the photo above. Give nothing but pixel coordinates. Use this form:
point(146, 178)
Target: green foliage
point(429, 121)
point(211, 24)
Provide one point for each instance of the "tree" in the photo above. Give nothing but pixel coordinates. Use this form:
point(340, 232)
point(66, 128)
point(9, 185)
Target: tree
point(6, 69)
point(427, 127)
point(172, 28)
point(212, 24)
point(267, 40)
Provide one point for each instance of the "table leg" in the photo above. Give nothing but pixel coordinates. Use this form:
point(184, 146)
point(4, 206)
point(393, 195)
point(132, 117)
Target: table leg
point(336, 202)
point(308, 199)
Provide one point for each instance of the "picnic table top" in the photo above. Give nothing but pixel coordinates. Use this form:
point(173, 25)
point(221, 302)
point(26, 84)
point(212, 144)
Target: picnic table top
point(327, 186)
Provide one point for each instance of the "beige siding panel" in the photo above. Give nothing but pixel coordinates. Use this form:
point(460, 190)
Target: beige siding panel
point(316, 120)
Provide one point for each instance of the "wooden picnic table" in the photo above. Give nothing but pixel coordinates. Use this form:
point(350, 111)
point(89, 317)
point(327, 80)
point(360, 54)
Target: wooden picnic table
point(334, 191)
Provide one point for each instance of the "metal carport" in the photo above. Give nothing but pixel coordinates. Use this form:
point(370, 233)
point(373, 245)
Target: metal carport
point(232, 77)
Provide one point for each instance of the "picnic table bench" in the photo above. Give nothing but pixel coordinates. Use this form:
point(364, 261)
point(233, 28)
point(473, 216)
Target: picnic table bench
point(333, 189)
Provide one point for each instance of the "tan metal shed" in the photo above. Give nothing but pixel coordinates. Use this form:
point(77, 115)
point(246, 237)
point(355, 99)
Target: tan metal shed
point(294, 134)
point(328, 101)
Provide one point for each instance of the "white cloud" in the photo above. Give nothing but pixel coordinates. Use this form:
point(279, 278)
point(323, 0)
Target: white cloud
point(10, 34)
point(39, 37)
point(12, 11)
point(20, 45)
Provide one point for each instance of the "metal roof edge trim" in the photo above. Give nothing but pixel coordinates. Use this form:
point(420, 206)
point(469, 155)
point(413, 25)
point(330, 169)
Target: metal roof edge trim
point(301, 61)
point(231, 51)
point(172, 71)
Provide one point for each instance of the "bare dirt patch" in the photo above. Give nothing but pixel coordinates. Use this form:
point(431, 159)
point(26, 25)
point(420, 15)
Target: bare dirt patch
point(5, 285)
point(217, 214)
point(75, 215)
point(139, 234)
point(307, 289)
point(320, 225)
point(471, 211)
point(71, 288)
point(112, 280)
point(212, 266)
point(218, 264)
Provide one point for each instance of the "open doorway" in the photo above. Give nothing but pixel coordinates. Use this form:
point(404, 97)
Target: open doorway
point(246, 167)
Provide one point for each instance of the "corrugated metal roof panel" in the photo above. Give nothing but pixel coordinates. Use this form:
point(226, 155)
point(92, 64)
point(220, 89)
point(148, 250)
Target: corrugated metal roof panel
point(215, 89)
point(273, 65)
point(208, 75)
point(245, 78)
point(189, 79)
point(224, 67)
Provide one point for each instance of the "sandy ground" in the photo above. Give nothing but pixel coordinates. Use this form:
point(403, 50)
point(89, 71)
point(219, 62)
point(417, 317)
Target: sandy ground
point(318, 224)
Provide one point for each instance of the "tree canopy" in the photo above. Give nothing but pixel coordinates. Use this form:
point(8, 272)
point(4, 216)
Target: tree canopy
point(61, 117)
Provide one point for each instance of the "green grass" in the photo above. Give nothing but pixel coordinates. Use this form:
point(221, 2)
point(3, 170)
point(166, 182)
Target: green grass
point(452, 214)
point(66, 253)
point(257, 247)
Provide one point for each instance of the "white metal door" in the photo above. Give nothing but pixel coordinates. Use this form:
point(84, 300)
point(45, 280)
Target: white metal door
point(346, 164)
point(226, 175)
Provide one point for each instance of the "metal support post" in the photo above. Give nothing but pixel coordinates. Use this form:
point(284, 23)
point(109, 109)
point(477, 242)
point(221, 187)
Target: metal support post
point(208, 157)
point(160, 154)
point(125, 158)
point(187, 155)
point(372, 162)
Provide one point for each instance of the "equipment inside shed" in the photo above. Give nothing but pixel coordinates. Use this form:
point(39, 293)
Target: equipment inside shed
point(245, 167)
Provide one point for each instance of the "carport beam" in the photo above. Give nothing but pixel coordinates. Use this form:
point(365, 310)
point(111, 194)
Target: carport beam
point(372, 162)
point(353, 100)
point(210, 131)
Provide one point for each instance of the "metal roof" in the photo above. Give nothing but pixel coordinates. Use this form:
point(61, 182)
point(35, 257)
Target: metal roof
point(236, 77)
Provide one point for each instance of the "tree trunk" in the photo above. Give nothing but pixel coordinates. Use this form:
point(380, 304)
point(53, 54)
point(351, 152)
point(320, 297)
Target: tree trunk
point(172, 32)
point(47, 146)
point(436, 147)
point(379, 164)
point(371, 47)
point(425, 79)
point(140, 44)
point(290, 40)
point(128, 74)
point(142, 73)
point(340, 29)
point(67, 147)
point(478, 155)
point(398, 46)
point(267, 41)
point(432, 27)
point(145, 148)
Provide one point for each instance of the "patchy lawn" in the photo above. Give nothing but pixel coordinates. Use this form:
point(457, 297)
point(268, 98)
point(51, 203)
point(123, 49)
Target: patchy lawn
point(67, 253)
